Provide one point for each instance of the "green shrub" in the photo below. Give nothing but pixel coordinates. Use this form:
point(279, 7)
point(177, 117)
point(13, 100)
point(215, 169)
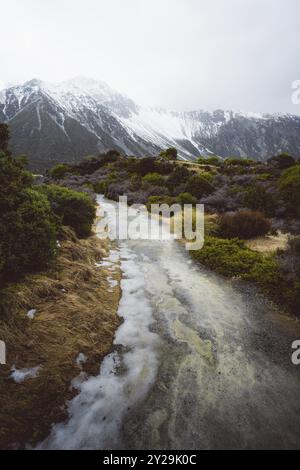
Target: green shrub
point(163, 167)
point(227, 257)
point(154, 178)
point(59, 171)
point(177, 177)
point(258, 198)
point(233, 161)
point(28, 233)
point(100, 187)
point(289, 187)
point(243, 224)
point(213, 160)
point(264, 177)
point(282, 161)
point(161, 200)
point(135, 182)
point(73, 208)
point(27, 224)
point(186, 198)
point(200, 185)
point(231, 258)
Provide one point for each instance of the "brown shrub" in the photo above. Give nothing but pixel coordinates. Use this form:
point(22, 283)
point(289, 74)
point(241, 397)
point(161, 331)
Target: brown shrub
point(243, 224)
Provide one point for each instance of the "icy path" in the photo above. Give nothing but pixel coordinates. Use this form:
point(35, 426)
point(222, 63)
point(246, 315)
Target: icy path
point(197, 364)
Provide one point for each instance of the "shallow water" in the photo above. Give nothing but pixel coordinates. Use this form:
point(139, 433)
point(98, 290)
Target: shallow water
point(197, 364)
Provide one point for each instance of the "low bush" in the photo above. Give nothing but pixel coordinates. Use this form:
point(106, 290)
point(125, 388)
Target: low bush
point(186, 198)
point(59, 171)
point(289, 187)
point(177, 177)
point(243, 224)
point(233, 161)
point(143, 166)
point(200, 185)
point(229, 257)
point(209, 160)
point(135, 182)
point(161, 200)
point(28, 233)
point(73, 208)
point(100, 187)
point(261, 198)
point(154, 179)
point(282, 161)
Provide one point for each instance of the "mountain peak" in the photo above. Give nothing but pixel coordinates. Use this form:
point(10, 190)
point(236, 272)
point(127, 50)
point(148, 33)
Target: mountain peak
point(34, 82)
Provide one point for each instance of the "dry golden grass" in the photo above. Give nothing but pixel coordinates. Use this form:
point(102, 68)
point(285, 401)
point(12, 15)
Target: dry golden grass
point(196, 167)
point(269, 243)
point(76, 312)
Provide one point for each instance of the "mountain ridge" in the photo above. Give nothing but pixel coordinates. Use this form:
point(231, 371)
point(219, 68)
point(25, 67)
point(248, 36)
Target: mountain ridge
point(52, 123)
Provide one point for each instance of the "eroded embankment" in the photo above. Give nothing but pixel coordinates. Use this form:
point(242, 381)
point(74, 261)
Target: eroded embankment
point(56, 325)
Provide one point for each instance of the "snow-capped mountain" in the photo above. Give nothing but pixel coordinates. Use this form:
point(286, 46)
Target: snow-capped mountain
point(64, 122)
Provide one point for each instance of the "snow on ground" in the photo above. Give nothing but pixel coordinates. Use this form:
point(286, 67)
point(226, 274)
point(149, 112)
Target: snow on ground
point(19, 375)
point(81, 358)
point(31, 313)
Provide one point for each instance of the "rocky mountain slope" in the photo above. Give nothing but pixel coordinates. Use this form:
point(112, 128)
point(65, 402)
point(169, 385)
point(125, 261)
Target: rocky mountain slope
point(64, 122)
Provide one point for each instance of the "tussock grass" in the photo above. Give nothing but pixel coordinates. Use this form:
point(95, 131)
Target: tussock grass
point(76, 312)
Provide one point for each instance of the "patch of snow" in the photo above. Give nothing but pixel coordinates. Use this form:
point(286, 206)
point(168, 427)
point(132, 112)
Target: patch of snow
point(112, 282)
point(31, 313)
point(19, 375)
point(81, 358)
point(39, 117)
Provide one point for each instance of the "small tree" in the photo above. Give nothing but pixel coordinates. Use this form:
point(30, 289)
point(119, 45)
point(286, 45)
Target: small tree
point(169, 154)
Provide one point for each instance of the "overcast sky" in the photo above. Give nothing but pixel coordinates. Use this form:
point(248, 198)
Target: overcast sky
point(178, 54)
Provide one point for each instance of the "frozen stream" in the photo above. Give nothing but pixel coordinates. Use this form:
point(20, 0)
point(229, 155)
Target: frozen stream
point(197, 364)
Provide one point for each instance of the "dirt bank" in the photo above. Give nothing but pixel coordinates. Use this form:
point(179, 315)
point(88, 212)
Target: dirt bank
point(70, 327)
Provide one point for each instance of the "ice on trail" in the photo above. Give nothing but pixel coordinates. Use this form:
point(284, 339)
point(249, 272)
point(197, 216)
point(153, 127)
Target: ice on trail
point(110, 261)
point(96, 413)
